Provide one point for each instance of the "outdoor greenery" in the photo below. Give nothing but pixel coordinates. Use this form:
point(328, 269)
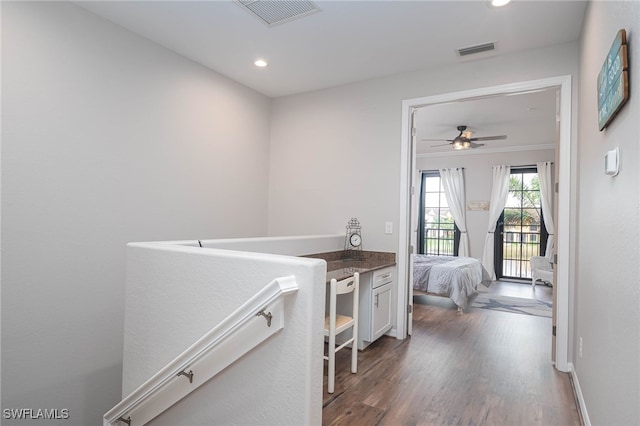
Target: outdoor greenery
point(529, 197)
point(445, 249)
point(512, 250)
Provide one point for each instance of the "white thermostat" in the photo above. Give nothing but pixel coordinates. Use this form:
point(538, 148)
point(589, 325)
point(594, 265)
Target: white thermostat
point(612, 162)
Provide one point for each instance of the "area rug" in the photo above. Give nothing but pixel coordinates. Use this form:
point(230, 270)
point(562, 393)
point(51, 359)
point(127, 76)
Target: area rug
point(516, 305)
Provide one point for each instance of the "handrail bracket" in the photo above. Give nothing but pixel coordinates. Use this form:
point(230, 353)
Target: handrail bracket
point(123, 420)
point(189, 375)
point(267, 316)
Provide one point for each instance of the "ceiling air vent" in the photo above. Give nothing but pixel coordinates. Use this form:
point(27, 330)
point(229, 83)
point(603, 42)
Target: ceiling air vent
point(486, 47)
point(275, 12)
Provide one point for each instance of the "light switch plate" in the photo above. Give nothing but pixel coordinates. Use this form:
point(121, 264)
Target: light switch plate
point(612, 162)
point(388, 228)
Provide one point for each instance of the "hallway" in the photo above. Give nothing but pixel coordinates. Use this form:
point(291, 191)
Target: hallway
point(480, 368)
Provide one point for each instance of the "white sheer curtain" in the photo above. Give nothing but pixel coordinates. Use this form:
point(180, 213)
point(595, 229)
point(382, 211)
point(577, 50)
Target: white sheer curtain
point(453, 183)
point(499, 193)
point(546, 200)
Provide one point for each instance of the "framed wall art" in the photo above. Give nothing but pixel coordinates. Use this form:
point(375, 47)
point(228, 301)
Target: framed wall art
point(613, 81)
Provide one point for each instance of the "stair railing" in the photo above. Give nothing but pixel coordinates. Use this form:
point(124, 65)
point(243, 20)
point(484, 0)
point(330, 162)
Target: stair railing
point(256, 320)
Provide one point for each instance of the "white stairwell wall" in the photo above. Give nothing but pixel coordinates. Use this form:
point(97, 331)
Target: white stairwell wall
point(176, 292)
point(258, 319)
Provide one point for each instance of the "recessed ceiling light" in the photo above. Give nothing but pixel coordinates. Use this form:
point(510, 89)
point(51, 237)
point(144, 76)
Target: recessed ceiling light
point(498, 3)
point(260, 63)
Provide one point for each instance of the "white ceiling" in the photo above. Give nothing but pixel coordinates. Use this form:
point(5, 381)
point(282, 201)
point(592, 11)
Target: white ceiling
point(357, 40)
point(528, 120)
point(347, 41)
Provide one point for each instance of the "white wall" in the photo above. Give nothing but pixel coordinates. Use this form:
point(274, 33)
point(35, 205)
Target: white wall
point(607, 292)
point(335, 153)
point(278, 382)
point(289, 246)
point(106, 138)
point(478, 175)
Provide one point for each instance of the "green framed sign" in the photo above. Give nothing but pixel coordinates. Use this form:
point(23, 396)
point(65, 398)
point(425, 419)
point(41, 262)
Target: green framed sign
point(613, 81)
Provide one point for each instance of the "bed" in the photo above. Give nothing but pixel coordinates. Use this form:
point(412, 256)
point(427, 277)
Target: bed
point(452, 276)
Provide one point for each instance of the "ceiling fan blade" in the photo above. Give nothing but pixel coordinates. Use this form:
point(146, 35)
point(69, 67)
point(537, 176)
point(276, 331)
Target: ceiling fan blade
point(436, 140)
point(444, 144)
point(489, 138)
point(476, 145)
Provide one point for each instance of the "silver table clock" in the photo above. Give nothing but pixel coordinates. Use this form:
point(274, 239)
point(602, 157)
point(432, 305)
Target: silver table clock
point(353, 241)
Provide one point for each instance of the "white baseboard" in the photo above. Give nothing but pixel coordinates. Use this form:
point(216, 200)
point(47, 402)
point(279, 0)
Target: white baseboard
point(578, 393)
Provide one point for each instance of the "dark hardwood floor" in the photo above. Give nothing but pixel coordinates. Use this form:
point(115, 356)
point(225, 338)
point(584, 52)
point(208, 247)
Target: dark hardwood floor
point(480, 368)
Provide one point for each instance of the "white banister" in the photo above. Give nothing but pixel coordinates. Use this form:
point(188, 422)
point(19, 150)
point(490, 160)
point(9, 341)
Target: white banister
point(249, 325)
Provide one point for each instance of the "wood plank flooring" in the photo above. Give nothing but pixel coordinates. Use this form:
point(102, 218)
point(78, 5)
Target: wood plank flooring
point(480, 368)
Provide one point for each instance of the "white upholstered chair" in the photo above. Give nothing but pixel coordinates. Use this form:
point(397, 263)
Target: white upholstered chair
point(336, 323)
point(541, 269)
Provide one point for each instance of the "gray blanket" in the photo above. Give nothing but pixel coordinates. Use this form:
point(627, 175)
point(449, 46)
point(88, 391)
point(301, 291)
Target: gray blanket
point(454, 277)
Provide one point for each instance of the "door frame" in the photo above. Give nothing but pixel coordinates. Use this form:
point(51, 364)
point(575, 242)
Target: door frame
point(563, 227)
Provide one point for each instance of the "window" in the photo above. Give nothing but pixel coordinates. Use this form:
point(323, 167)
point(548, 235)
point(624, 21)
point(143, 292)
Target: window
point(437, 232)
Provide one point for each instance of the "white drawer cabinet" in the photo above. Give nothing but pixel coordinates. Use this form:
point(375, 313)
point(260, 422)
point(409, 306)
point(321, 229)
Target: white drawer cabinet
point(374, 320)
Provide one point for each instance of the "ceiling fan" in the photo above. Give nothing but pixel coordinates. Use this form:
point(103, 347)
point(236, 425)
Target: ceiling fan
point(465, 141)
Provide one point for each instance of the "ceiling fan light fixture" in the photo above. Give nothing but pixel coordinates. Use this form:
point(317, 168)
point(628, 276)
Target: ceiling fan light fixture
point(465, 141)
point(459, 144)
point(499, 3)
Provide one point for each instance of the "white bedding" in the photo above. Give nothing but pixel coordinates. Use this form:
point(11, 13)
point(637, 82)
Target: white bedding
point(451, 276)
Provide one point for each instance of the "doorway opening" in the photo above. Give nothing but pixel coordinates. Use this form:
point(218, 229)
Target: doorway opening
point(407, 224)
